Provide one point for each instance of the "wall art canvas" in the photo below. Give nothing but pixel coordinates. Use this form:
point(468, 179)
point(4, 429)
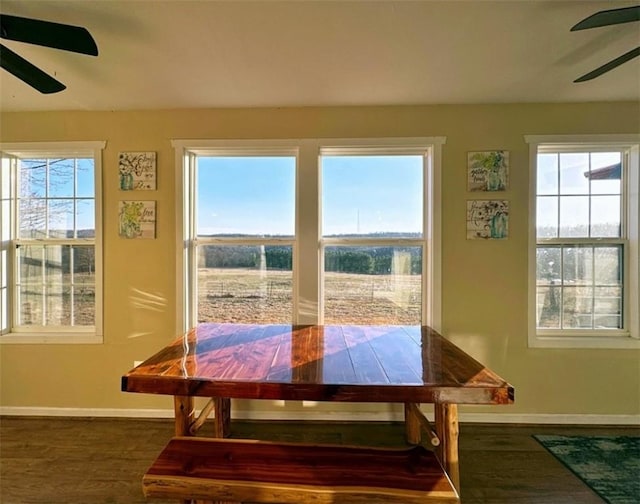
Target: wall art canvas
point(487, 219)
point(137, 219)
point(488, 170)
point(137, 171)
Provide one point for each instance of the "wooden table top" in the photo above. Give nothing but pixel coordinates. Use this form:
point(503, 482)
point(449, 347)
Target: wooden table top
point(321, 363)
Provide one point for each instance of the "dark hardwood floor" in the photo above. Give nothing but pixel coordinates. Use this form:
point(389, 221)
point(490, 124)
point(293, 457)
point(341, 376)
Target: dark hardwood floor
point(99, 460)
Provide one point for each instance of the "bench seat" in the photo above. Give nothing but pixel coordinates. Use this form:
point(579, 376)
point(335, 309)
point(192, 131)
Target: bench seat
point(216, 469)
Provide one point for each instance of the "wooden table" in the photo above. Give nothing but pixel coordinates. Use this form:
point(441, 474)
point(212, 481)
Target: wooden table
point(379, 364)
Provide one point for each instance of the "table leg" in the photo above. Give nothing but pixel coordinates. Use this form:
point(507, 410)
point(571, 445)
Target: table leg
point(446, 420)
point(221, 428)
point(184, 414)
point(222, 419)
point(411, 426)
point(184, 411)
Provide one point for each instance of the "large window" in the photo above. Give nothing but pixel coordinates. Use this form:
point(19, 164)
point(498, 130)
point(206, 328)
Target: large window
point(51, 268)
point(586, 235)
point(245, 235)
point(309, 231)
point(372, 237)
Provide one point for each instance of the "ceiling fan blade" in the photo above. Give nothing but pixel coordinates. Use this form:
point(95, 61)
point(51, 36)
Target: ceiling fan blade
point(28, 73)
point(633, 53)
point(609, 17)
point(48, 34)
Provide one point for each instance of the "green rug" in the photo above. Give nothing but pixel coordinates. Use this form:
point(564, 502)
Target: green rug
point(610, 465)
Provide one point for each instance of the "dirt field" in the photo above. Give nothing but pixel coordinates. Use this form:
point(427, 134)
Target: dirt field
point(238, 295)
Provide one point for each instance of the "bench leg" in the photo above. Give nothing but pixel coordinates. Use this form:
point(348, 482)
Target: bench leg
point(446, 420)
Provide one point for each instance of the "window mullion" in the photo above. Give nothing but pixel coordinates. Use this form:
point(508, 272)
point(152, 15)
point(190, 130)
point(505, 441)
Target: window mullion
point(46, 200)
point(590, 200)
point(593, 287)
point(75, 198)
point(562, 286)
point(308, 252)
point(72, 289)
point(43, 285)
point(558, 198)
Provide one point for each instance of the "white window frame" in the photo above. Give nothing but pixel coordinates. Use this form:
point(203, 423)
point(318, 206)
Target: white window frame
point(53, 334)
point(629, 335)
point(307, 265)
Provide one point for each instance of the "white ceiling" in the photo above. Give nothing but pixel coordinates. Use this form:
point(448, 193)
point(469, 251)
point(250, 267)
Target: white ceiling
point(186, 54)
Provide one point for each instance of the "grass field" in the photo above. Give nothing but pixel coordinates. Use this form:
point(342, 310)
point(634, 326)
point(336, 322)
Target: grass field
point(245, 295)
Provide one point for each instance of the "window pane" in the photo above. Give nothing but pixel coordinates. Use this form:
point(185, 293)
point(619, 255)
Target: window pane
point(61, 178)
point(33, 178)
point(84, 264)
point(31, 306)
point(61, 221)
point(372, 285)
point(5, 178)
point(85, 176)
point(83, 285)
point(249, 196)
point(573, 168)
point(577, 265)
point(605, 186)
point(32, 218)
point(574, 216)
point(30, 263)
point(5, 230)
point(30, 285)
point(372, 196)
point(608, 265)
point(605, 216)
point(606, 173)
point(251, 284)
point(58, 311)
point(548, 301)
point(549, 265)
point(547, 174)
point(84, 298)
point(608, 308)
point(577, 307)
point(57, 264)
point(547, 217)
point(85, 218)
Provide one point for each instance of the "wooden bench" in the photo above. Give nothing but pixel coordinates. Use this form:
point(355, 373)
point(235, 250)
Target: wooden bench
point(213, 469)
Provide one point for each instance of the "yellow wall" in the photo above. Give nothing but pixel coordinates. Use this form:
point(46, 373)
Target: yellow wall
point(484, 294)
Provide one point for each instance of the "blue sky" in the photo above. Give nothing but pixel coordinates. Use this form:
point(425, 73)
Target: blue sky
point(256, 195)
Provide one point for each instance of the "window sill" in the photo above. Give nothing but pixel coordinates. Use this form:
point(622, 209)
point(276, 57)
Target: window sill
point(50, 338)
point(619, 340)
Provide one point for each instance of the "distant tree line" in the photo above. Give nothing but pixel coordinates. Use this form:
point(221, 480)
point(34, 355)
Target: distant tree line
point(363, 260)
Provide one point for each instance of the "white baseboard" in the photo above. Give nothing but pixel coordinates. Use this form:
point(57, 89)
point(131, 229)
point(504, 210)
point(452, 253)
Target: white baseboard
point(341, 416)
